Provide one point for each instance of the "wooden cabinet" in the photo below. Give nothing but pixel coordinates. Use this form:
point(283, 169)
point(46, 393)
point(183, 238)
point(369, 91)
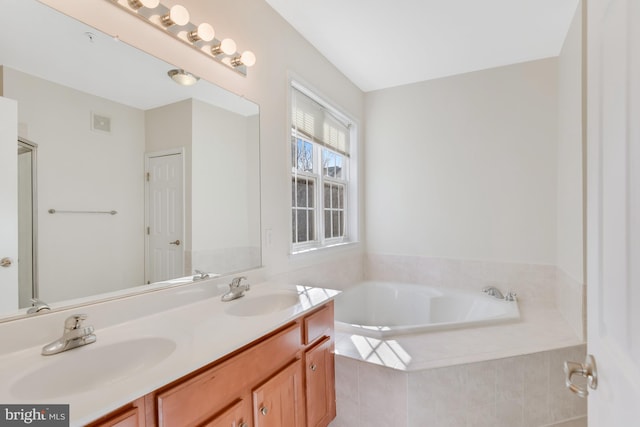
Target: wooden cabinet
point(284, 379)
point(279, 402)
point(320, 380)
point(318, 334)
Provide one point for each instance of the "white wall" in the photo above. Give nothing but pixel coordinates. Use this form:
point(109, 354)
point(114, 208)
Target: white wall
point(570, 173)
point(81, 169)
point(280, 50)
point(464, 167)
point(570, 292)
point(225, 181)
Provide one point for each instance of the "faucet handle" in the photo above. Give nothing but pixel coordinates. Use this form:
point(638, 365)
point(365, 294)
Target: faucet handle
point(74, 322)
point(235, 283)
point(511, 296)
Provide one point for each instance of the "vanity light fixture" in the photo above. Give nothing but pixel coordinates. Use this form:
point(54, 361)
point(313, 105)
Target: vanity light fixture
point(175, 21)
point(182, 77)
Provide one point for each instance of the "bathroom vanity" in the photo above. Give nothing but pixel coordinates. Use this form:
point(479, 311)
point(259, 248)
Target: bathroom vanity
point(284, 378)
point(266, 359)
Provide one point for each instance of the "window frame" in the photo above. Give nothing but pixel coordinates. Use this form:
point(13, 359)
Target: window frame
point(348, 182)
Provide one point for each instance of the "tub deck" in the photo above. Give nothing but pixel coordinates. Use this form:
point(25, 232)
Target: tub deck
point(540, 328)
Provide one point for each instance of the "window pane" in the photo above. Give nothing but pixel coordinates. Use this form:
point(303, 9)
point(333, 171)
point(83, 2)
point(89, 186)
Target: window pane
point(302, 225)
point(304, 156)
point(341, 216)
point(312, 225)
point(338, 172)
point(294, 235)
point(335, 196)
point(301, 193)
point(327, 224)
point(327, 196)
point(336, 224)
point(310, 193)
point(293, 192)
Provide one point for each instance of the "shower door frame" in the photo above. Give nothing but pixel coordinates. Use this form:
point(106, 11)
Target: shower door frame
point(35, 285)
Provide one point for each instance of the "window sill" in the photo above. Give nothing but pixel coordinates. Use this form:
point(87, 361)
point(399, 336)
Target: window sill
point(313, 249)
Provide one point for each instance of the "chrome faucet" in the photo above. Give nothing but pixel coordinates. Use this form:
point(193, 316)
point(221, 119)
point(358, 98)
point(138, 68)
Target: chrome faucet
point(75, 335)
point(493, 292)
point(37, 306)
point(200, 275)
point(236, 289)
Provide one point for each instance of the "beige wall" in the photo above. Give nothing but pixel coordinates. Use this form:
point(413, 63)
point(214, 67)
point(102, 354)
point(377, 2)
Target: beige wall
point(82, 169)
point(464, 167)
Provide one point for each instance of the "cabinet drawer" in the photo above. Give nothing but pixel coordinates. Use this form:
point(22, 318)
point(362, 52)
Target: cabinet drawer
point(318, 324)
point(198, 398)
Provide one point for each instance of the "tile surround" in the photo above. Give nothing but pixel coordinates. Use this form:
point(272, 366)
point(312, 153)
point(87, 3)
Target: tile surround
point(521, 391)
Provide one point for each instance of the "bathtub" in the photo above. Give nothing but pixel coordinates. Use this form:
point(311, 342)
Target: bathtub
point(384, 309)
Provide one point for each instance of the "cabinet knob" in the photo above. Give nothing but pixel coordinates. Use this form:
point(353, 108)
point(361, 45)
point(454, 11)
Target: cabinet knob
point(6, 262)
point(313, 367)
point(264, 410)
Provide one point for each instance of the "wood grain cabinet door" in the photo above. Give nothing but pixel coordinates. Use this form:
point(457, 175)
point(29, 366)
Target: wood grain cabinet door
point(238, 415)
point(279, 402)
point(320, 389)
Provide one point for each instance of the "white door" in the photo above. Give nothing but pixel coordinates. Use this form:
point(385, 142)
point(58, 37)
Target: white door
point(165, 217)
point(613, 210)
point(9, 205)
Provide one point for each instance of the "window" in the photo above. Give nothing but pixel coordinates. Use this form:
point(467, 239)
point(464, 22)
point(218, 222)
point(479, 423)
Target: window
point(320, 185)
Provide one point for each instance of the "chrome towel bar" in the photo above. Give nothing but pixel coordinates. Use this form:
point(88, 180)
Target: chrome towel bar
point(53, 211)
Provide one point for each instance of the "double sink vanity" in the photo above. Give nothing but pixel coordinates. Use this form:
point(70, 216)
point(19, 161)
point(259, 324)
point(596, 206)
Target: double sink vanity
point(265, 359)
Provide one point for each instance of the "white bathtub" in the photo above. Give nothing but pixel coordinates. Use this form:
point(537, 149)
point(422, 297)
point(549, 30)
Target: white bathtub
point(385, 309)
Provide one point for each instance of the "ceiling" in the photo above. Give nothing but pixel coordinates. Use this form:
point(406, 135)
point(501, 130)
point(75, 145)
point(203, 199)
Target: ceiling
point(382, 43)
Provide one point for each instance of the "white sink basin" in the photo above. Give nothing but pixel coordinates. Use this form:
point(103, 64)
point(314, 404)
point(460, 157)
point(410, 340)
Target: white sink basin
point(258, 305)
point(89, 367)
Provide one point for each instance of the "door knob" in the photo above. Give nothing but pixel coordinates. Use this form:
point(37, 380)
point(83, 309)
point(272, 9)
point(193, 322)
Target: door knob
point(587, 370)
point(176, 242)
point(6, 262)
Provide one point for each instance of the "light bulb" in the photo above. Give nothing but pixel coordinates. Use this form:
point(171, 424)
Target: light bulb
point(150, 4)
point(248, 58)
point(226, 46)
point(178, 15)
point(204, 32)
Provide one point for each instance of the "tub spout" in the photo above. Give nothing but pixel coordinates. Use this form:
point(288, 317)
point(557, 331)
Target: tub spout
point(493, 291)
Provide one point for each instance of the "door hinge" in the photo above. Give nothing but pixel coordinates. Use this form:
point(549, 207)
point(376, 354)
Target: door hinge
point(148, 230)
point(148, 176)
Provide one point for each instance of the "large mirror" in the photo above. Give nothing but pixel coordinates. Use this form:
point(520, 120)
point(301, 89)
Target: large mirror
point(126, 178)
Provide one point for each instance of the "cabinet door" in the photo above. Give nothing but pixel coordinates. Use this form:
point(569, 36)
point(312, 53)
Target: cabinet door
point(238, 415)
point(132, 415)
point(279, 402)
point(320, 380)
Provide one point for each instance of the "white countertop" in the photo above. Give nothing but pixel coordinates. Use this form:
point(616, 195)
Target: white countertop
point(202, 331)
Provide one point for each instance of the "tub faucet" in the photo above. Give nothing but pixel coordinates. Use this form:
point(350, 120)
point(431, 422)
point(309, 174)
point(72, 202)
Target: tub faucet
point(37, 306)
point(493, 291)
point(200, 275)
point(236, 289)
point(75, 335)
